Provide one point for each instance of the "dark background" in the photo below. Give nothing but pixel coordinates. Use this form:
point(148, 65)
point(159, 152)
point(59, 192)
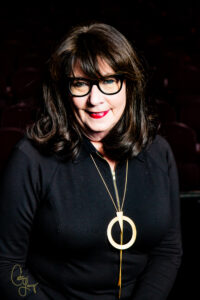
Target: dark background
point(166, 35)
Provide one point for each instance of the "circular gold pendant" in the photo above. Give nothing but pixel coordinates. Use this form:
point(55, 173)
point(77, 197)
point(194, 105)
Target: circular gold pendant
point(120, 218)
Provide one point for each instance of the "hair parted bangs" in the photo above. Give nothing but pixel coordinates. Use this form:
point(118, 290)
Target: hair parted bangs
point(57, 130)
point(89, 43)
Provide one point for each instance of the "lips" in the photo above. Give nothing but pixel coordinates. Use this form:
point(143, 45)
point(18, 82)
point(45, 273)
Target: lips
point(98, 115)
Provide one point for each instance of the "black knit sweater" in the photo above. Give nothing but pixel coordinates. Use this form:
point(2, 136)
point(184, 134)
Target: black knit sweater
point(54, 217)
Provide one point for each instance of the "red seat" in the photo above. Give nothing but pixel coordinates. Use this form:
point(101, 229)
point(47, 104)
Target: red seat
point(182, 139)
point(25, 82)
point(190, 115)
point(184, 78)
point(183, 142)
point(19, 115)
point(189, 176)
point(165, 111)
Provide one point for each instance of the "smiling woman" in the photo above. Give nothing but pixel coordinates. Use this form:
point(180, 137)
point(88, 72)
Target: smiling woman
point(92, 53)
point(89, 203)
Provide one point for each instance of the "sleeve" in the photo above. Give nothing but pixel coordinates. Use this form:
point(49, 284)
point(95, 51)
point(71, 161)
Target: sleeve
point(164, 260)
point(18, 204)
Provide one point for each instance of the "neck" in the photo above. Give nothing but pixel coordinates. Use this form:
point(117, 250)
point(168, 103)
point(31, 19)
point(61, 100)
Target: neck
point(99, 147)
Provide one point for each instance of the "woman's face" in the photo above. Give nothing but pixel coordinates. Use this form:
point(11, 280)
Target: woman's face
point(97, 112)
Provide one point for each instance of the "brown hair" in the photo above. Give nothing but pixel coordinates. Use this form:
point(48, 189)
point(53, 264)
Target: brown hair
point(57, 130)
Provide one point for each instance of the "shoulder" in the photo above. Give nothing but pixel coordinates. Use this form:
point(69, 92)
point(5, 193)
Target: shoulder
point(27, 147)
point(31, 151)
point(159, 144)
point(160, 152)
point(26, 156)
point(27, 166)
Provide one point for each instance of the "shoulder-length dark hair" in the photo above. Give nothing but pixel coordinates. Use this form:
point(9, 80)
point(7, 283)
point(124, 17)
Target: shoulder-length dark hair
point(57, 130)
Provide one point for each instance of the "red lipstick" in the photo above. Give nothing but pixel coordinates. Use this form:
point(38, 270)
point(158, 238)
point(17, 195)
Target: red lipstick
point(98, 115)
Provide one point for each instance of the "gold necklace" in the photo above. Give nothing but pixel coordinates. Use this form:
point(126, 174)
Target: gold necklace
point(119, 218)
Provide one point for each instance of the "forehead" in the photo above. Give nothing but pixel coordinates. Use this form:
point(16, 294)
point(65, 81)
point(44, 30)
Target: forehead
point(103, 67)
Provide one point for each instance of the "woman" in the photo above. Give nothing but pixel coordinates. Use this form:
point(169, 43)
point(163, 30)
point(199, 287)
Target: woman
point(89, 199)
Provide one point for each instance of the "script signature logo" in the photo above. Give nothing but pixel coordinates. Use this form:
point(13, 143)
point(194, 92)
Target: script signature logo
point(21, 281)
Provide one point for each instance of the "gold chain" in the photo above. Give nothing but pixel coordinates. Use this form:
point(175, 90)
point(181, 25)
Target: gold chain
point(119, 209)
point(125, 186)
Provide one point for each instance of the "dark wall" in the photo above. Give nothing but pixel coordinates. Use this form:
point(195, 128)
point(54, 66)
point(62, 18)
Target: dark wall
point(166, 35)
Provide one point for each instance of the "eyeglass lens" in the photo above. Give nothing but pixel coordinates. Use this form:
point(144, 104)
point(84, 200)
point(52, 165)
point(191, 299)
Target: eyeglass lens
point(109, 85)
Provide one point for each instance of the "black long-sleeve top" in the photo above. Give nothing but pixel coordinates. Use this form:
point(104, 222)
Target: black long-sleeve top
point(53, 221)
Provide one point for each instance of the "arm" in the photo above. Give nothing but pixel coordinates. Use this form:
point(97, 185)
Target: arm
point(18, 203)
point(164, 260)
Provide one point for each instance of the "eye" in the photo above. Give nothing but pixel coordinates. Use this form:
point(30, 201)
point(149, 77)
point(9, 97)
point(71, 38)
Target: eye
point(79, 83)
point(109, 80)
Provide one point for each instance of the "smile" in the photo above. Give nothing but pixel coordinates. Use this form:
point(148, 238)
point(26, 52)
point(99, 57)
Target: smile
point(98, 115)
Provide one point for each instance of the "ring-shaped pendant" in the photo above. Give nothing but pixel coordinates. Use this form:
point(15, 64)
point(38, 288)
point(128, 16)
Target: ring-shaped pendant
point(109, 233)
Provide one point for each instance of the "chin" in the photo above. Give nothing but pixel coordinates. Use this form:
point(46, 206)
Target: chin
point(97, 134)
point(100, 129)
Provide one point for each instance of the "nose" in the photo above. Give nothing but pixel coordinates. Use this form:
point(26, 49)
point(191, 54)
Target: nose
point(95, 96)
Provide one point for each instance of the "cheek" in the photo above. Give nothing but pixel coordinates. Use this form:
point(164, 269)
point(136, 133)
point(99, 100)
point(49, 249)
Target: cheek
point(77, 103)
point(119, 103)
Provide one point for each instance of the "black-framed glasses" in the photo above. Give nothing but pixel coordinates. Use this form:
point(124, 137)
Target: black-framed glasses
point(109, 85)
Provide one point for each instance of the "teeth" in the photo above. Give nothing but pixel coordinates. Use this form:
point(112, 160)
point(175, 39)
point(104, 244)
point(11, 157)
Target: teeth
point(98, 113)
